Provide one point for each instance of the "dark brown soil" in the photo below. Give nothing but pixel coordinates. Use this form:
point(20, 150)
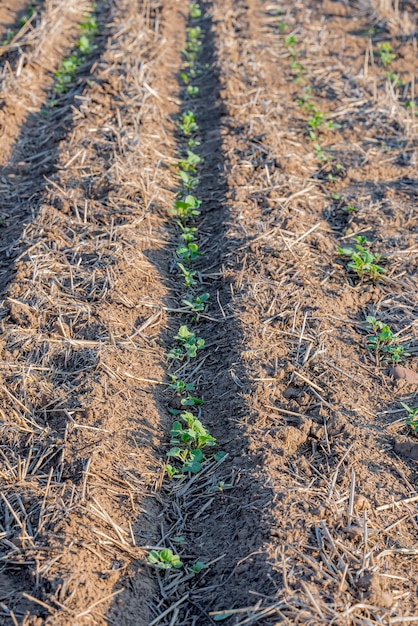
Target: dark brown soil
point(311, 518)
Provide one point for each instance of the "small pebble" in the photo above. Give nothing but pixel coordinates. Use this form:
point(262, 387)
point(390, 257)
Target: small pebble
point(404, 373)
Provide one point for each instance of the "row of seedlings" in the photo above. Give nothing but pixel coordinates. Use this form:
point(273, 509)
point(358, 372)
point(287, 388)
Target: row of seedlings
point(192, 447)
point(359, 259)
point(66, 73)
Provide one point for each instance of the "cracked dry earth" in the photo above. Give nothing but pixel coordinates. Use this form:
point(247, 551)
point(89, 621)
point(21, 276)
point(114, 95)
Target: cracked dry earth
point(307, 137)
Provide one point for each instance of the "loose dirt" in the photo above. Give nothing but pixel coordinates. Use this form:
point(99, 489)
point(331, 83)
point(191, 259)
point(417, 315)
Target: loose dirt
point(306, 139)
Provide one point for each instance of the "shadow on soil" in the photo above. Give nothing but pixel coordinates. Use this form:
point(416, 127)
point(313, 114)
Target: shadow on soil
point(225, 525)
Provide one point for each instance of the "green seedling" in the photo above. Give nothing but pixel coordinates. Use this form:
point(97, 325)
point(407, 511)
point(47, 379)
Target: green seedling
point(193, 434)
point(188, 233)
point(190, 344)
point(85, 45)
point(65, 75)
point(179, 540)
point(188, 124)
point(25, 18)
point(191, 401)
point(394, 79)
point(363, 262)
point(198, 566)
point(290, 42)
point(192, 91)
point(349, 208)
point(164, 559)
point(220, 487)
point(191, 460)
point(383, 342)
point(195, 11)
point(385, 54)
point(304, 100)
point(412, 418)
point(282, 26)
point(188, 181)
point(171, 471)
point(189, 442)
point(196, 303)
point(317, 121)
point(89, 25)
point(185, 78)
point(320, 153)
point(189, 252)
point(180, 386)
point(194, 33)
point(189, 163)
point(188, 275)
point(187, 208)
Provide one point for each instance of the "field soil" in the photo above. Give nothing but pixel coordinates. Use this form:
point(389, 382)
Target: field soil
point(307, 135)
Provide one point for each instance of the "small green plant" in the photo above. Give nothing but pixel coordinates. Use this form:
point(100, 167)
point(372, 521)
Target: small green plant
point(349, 208)
point(385, 53)
point(164, 559)
point(188, 275)
point(412, 417)
point(190, 439)
point(189, 343)
point(198, 567)
point(363, 262)
point(393, 78)
point(187, 208)
point(192, 91)
point(188, 233)
point(220, 487)
point(290, 42)
point(171, 471)
point(180, 386)
point(188, 252)
point(317, 122)
point(188, 124)
point(319, 152)
point(195, 11)
point(188, 181)
point(196, 303)
point(189, 163)
point(84, 46)
point(383, 342)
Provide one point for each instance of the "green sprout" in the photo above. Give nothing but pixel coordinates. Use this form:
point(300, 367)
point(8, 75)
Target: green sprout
point(188, 252)
point(412, 418)
point(196, 303)
point(198, 567)
point(290, 42)
point(385, 53)
point(192, 91)
point(187, 208)
point(383, 342)
point(189, 442)
point(189, 163)
point(164, 559)
point(188, 275)
point(188, 124)
point(189, 343)
point(195, 11)
point(188, 181)
point(363, 262)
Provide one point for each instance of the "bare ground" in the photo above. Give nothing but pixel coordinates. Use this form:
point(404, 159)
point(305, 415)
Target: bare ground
point(319, 523)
